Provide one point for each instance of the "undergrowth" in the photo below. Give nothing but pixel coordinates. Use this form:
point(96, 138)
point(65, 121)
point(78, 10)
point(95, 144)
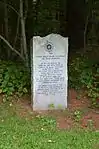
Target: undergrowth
point(84, 74)
point(14, 79)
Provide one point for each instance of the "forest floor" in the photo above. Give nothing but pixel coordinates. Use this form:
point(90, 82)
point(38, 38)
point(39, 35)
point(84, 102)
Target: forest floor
point(74, 128)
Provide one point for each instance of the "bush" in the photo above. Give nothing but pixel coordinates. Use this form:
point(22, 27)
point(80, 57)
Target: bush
point(14, 78)
point(84, 74)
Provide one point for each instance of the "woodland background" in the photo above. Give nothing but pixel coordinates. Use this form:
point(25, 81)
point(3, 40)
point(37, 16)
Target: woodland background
point(20, 20)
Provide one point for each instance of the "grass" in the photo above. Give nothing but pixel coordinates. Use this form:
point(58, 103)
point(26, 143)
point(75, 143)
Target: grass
point(40, 132)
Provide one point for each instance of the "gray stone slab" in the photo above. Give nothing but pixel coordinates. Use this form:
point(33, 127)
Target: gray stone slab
point(49, 75)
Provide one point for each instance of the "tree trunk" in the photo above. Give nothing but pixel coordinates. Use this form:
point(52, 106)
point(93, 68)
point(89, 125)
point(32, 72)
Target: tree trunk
point(6, 24)
point(10, 46)
point(23, 33)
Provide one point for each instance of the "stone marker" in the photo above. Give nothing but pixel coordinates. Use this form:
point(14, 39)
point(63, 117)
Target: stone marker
point(49, 76)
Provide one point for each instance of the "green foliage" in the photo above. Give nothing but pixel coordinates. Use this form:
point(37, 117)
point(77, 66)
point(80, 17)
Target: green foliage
point(46, 121)
point(84, 74)
point(46, 17)
point(14, 78)
point(51, 106)
point(77, 115)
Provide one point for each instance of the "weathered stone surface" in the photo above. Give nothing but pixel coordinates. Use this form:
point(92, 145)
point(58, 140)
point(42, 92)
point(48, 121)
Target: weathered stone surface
point(49, 74)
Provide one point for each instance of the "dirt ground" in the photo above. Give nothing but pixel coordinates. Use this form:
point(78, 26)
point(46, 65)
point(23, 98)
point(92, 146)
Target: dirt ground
point(79, 112)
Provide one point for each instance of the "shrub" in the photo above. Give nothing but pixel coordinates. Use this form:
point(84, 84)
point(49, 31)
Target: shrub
point(84, 74)
point(14, 78)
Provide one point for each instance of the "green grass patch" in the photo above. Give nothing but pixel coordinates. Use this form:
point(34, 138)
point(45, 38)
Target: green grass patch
point(40, 132)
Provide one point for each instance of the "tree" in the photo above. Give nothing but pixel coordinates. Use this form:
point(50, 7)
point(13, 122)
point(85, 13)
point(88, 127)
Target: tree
point(20, 15)
point(22, 19)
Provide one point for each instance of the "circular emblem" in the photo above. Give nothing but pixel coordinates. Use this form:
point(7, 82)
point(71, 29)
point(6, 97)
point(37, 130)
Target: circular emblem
point(49, 47)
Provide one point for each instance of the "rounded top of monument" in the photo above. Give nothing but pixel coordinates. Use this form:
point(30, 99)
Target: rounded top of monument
point(50, 42)
point(51, 37)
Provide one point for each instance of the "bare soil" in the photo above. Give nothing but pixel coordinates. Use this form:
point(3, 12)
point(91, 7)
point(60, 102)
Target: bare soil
point(65, 118)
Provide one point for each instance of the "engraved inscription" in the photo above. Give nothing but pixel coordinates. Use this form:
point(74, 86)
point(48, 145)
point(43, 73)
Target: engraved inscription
point(50, 80)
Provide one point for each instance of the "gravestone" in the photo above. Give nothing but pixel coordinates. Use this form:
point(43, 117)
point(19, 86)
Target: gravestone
point(49, 76)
